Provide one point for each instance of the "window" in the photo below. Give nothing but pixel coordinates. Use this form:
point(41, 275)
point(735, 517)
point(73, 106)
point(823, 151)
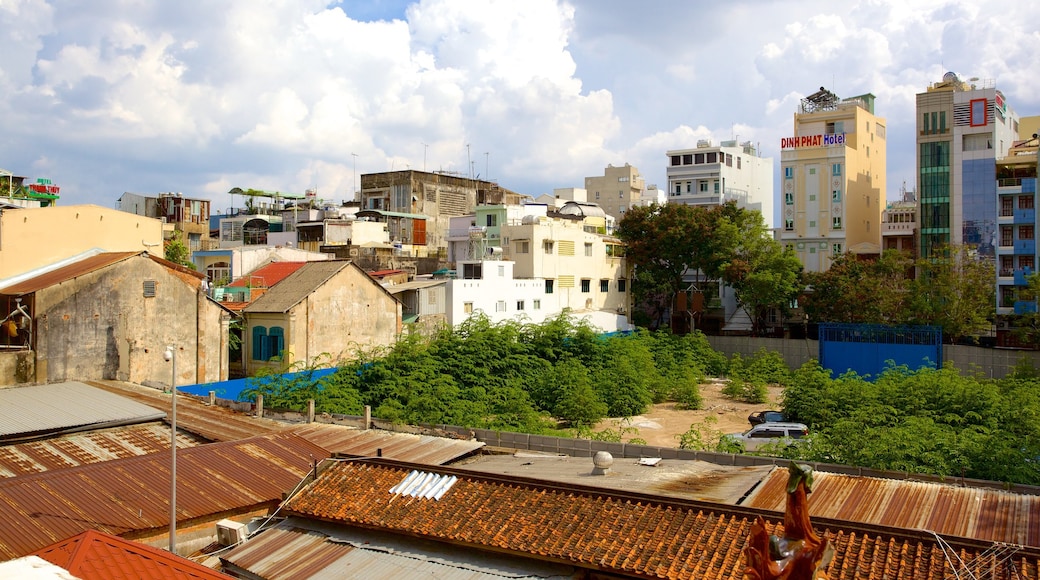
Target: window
point(812, 197)
point(1025, 232)
point(472, 271)
point(1025, 262)
point(536, 304)
point(549, 286)
point(621, 285)
point(738, 162)
point(716, 184)
point(148, 288)
point(712, 158)
point(835, 127)
point(836, 223)
point(836, 249)
point(836, 196)
point(976, 142)
point(788, 198)
point(218, 272)
point(523, 247)
point(621, 194)
point(588, 249)
point(1006, 236)
point(729, 160)
point(491, 220)
point(698, 158)
point(501, 271)
point(788, 225)
point(1006, 265)
point(836, 169)
point(702, 186)
point(467, 307)
point(547, 245)
point(519, 304)
point(586, 285)
point(788, 172)
point(1025, 202)
point(597, 195)
point(500, 306)
point(812, 223)
point(812, 171)
point(676, 160)
point(604, 285)
point(678, 188)
point(268, 344)
point(687, 159)
point(978, 112)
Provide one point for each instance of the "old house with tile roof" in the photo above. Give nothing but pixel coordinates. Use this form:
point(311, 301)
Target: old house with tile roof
point(322, 313)
point(111, 315)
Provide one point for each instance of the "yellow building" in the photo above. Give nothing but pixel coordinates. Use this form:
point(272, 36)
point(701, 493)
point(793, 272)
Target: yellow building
point(833, 179)
point(616, 191)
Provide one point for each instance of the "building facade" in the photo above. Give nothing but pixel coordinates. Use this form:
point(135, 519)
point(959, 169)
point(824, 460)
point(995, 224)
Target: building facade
point(1016, 176)
point(962, 129)
point(616, 191)
point(833, 179)
point(714, 175)
point(899, 224)
point(186, 219)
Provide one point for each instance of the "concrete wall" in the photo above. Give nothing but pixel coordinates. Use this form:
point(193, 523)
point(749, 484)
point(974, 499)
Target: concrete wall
point(101, 326)
point(17, 367)
point(990, 362)
point(34, 237)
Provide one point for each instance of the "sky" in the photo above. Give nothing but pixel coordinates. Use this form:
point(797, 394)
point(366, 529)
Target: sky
point(198, 97)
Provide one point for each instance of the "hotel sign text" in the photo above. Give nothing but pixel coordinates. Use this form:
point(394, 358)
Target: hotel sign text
point(812, 141)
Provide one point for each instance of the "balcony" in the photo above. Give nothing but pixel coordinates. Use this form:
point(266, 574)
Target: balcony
point(1025, 307)
point(1025, 247)
point(1025, 216)
point(1020, 276)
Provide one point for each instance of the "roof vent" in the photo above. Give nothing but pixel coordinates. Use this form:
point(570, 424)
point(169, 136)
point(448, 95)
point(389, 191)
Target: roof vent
point(602, 462)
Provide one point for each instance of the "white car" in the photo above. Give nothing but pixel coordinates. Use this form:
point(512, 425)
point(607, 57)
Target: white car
point(765, 433)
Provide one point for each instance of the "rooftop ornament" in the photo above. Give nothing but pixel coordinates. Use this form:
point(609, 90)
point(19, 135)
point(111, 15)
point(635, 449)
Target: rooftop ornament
point(800, 554)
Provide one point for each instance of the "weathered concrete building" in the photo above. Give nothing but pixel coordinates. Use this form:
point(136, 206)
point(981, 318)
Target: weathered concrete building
point(320, 314)
point(111, 316)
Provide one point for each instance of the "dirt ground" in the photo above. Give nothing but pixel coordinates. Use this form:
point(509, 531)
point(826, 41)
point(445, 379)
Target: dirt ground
point(663, 423)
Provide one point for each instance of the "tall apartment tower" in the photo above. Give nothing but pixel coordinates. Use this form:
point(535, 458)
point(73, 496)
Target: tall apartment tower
point(618, 190)
point(962, 129)
point(1016, 217)
point(833, 179)
point(713, 175)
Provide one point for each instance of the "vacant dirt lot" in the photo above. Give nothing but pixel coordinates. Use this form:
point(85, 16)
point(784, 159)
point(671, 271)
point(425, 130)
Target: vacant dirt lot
point(663, 423)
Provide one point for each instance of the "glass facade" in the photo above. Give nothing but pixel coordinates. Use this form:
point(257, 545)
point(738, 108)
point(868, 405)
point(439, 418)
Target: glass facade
point(935, 195)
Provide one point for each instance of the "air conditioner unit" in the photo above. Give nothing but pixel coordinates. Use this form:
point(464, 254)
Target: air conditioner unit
point(1003, 324)
point(230, 532)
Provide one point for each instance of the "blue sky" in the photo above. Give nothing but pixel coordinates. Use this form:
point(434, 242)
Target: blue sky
point(199, 97)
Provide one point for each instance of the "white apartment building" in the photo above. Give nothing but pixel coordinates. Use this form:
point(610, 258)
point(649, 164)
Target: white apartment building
point(543, 265)
point(713, 175)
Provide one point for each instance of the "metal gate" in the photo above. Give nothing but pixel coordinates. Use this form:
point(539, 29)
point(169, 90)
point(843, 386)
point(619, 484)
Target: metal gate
point(867, 349)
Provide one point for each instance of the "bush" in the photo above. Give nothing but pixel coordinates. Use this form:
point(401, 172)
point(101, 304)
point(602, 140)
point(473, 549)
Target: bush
point(687, 393)
point(750, 391)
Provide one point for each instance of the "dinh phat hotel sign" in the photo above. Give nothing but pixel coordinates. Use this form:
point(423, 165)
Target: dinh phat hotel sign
point(827, 140)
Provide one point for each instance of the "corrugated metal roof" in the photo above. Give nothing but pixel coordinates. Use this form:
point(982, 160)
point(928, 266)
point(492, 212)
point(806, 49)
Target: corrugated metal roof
point(92, 447)
point(985, 514)
point(65, 273)
point(297, 286)
point(399, 446)
point(305, 549)
point(414, 285)
point(94, 555)
point(126, 495)
point(625, 533)
point(62, 406)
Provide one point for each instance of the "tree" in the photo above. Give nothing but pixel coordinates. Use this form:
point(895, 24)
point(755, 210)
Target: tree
point(1027, 326)
point(764, 275)
point(176, 252)
point(954, 290)
point(854, 290)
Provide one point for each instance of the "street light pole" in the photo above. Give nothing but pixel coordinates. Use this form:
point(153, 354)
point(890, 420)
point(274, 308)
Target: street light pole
point(171, 356)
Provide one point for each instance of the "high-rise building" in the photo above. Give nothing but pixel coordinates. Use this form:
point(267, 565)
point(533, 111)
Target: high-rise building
point(962, 129)
point(616, 191)
point(833, 179)
point(713, 175)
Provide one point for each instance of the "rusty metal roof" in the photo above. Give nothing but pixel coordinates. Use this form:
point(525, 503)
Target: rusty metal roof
point(300, 549)
point(66, 273)
point(94, 555)
point(31, 410)
point(985, 514)
point(90, 447)
point(626, 533)
point(399, 446)
point(132, 494)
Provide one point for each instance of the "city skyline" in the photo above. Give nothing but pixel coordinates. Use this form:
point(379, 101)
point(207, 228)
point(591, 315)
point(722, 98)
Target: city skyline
point(288, 96)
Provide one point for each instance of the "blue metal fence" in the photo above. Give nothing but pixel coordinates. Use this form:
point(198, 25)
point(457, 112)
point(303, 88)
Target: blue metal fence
point(232, 389)
point(867, 349)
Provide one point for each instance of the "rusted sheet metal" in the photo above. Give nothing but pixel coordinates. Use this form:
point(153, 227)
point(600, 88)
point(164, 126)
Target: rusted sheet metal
point(86, 448)
point(984, 514)
point(65, 273)
point(399, 446)
point(27, 411)
point(287, 552)
point(132, 494)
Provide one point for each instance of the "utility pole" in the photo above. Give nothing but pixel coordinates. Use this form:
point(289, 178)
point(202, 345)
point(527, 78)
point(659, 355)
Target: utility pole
point(354, 184)
point(487, 176)
point(469, 162)
point(424, 147)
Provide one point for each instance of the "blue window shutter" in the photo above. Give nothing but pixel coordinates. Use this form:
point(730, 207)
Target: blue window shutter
point(277, 336)
point(259, 336)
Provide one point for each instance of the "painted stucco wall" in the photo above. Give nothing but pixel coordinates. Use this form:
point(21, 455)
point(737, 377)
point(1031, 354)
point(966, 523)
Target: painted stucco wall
point(35, 237)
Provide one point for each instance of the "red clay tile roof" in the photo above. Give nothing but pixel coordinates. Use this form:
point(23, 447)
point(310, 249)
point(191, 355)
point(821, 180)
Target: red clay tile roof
point(96, 556)
point(619, 532)
point(269, 275)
